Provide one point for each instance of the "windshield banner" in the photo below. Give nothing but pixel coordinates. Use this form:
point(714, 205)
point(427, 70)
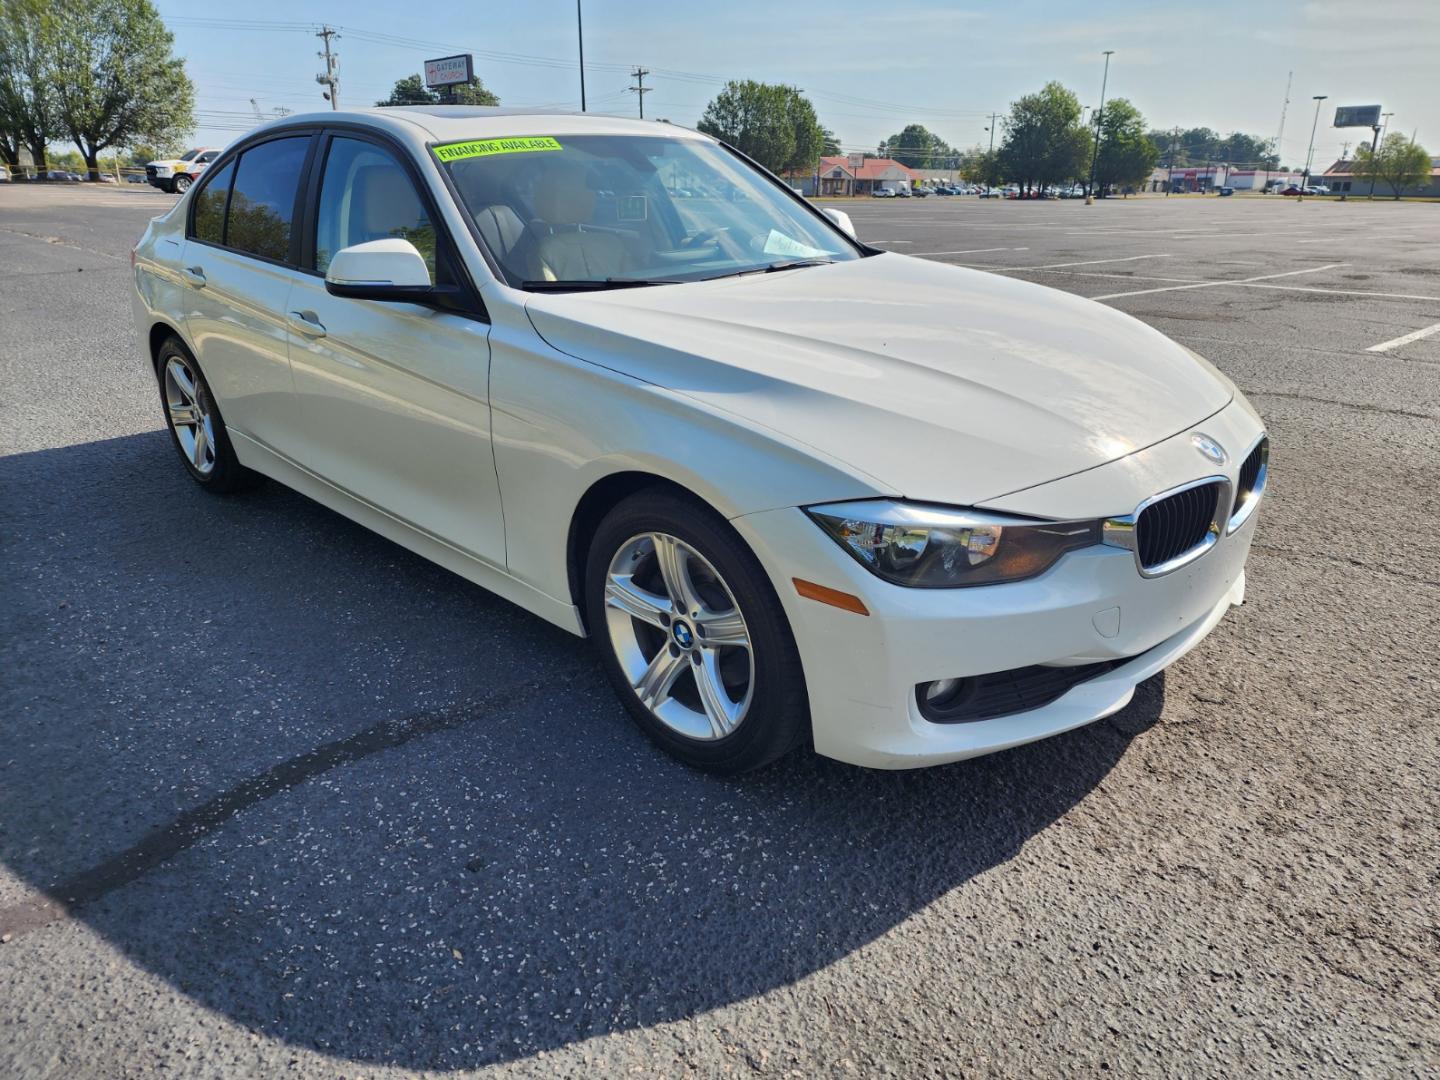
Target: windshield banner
point(486, 147)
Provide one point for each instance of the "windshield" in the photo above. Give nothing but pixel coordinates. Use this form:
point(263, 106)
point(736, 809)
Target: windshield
point(611, 210)
point(188, 155)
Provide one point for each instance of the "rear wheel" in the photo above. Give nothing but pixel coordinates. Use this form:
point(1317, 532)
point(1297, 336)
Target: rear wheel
point(692, 635)
point(197, 430)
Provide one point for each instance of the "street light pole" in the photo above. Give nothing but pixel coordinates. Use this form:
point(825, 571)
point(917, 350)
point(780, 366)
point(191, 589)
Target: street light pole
point(580, 35)
point(1099, 117)
point(1309, 154)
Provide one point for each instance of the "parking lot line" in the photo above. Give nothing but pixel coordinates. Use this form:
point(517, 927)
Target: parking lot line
point(996, 269)
point(1348, 292)
point(1395, 343)
point(967, 251)
point(1093, 262)
point(1213, 284)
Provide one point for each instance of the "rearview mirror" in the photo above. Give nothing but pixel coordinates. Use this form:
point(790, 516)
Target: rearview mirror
point(841, 221)
point(381, 270)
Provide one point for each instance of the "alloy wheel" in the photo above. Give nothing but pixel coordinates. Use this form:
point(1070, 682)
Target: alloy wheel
point(187, 406)
point(679, 636)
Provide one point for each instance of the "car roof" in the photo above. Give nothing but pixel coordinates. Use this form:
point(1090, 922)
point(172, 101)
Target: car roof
point(452, 123)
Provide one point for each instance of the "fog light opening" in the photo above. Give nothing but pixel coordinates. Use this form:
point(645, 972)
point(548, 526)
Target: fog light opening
point(941, 695)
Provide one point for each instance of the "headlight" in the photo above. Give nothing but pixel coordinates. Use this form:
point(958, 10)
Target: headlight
point(937, 547)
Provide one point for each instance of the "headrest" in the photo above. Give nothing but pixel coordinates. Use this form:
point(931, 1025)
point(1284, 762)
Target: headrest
point(562, 197)
point(387, 200)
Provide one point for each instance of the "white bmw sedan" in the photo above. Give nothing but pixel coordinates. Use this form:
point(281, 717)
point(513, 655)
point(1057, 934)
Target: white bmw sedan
point(793, 486)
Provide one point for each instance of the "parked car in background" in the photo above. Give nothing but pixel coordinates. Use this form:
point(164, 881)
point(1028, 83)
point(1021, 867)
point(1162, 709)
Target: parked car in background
point(1227, 191)
point(903, 191)
point(794, 489)
point(1291, 190)
point(881, 193)
point(177, 174)
point(1317, 189)
point(4, 174)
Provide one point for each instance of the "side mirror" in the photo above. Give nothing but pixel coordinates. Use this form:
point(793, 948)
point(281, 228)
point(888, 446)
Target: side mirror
point(841, 221)
point(389, 270)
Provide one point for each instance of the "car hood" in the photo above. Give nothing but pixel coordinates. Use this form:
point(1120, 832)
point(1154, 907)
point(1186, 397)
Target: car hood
point(940, 383)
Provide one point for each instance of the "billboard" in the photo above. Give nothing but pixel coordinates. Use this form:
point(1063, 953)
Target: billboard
point(1357, 116)
point(449, 70)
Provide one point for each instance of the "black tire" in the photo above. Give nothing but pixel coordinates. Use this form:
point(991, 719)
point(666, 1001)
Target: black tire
point(226, 474)
point(180, 185)
point(778, 716)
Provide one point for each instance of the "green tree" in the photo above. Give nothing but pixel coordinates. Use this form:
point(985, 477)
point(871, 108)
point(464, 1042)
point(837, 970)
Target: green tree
point(29, 113)
point(1126, 154)
point(116, 79)
point(411, 90)
point(829, 144)
point(918, 148)
point(775, 125)
point(979, 165)
point(1398, 163)
point(1200, 145)
point(1044, 140)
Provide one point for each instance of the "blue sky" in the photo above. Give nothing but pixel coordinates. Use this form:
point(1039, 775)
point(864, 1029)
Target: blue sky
point(870, 68)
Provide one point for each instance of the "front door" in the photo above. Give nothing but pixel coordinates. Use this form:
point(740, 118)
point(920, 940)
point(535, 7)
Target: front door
point(392, 400)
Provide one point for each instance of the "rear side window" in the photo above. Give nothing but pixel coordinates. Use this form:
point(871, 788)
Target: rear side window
point(366, 195)
point(262, 201)
point(210, 206)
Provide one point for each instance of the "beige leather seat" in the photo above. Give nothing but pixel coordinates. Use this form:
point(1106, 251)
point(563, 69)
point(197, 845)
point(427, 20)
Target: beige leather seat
point(385, 204)
point(565, 248)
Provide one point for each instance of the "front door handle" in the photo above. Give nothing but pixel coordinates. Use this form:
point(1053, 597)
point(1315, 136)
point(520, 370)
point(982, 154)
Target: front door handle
point(307, 323)
point(194, 275)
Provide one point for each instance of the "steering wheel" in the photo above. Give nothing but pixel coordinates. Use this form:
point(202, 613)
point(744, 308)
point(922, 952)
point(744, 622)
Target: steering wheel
point(720, 237)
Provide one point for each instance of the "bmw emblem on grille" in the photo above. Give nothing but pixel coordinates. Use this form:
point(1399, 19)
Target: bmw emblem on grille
point(1209, 447)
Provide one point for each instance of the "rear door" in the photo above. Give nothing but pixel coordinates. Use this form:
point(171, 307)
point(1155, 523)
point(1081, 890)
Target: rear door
point(393, 397)
point(239, 263)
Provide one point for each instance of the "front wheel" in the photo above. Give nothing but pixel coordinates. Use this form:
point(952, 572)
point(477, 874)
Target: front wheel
point(692, 635)
point(180, 185)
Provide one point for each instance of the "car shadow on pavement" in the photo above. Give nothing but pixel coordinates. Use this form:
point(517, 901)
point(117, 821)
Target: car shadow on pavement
point(349, 801)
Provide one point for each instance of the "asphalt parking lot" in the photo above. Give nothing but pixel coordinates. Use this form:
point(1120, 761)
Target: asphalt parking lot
point(279, 798)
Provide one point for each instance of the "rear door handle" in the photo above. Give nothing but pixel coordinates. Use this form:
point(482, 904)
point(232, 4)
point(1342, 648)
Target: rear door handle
point(307, 323)
point(194, 275)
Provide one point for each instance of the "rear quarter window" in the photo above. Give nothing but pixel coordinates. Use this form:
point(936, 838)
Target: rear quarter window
point(209, 222)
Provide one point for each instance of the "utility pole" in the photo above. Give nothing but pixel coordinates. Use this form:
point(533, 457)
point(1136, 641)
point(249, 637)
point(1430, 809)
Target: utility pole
point(1309, 154)
point(580, 36)
point(1170, 169)
point(331, 78)
point(1099, 118)
point(1285, 108)
point(640, 89)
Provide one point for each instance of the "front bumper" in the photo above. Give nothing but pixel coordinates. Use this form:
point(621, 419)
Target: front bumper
point(1093, 605)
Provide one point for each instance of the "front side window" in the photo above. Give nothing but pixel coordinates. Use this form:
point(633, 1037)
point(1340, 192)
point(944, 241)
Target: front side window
point(262, 201)
point(616, 209)
point(365, 195)
point(210, 206)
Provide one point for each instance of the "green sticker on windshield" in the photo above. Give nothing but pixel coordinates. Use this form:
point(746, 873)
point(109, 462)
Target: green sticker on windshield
point(486, 147)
